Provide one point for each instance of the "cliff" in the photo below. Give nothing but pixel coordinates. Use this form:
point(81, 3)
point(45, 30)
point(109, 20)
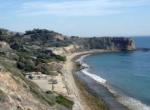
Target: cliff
point(110, 43)
point(64, 50)
point(106, 43)
point(45, 38)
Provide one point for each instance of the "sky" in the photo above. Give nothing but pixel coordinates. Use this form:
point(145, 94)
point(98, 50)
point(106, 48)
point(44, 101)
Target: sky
point(78, 17)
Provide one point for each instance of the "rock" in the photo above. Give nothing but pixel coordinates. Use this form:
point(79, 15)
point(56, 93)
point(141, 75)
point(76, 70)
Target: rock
point(4, 45)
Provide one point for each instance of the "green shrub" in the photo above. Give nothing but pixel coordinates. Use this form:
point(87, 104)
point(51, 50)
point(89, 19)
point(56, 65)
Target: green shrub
point(20, 65)
point(78, 66)
point(64, 101)
point(26, 64)
point(29, 65)
point(60, 58)
point(44, 68)
point(49, 92)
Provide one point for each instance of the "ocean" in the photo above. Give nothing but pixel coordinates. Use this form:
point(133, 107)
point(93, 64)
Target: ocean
point(125, 74)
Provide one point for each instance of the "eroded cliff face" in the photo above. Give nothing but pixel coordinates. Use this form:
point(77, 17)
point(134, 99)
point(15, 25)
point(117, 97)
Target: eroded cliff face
point(110, 43)
point(65, 50)
point(106, 43)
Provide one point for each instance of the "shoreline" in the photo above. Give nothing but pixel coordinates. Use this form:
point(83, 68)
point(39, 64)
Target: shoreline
point(97, 84)
point(80, 102)
point(90, 99)
point(73, 90)
point(127, 102)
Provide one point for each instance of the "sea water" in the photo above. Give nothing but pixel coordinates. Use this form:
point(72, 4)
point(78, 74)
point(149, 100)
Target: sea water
point(126, 74)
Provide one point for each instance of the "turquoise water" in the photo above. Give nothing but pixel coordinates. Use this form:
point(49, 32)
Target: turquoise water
point(128, 72)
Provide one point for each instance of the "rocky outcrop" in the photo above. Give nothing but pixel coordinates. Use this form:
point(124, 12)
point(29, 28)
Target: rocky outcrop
point(4, 45)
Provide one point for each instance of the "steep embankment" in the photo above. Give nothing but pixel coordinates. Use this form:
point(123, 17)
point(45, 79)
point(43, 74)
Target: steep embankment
point(19, 93)
point(14, 96)
point(84, 44)
point(109, 43)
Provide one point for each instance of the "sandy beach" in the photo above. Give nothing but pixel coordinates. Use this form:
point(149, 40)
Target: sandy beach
point(66, 83)
point(73, 90)
point(81, 95)
point(73, 86)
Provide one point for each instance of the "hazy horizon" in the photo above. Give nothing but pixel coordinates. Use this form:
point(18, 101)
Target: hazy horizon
point(78, 17)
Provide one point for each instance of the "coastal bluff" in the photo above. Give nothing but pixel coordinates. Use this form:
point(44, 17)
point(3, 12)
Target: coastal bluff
point(43, 39)
point(79, 44)
point(41, 53)
point(108, 43)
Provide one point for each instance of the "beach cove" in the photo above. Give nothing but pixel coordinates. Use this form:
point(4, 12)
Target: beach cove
point(72, 78)
point(128, 83)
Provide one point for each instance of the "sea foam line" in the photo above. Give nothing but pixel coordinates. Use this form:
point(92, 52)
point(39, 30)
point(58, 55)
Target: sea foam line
point(94, 76)
point(132, 103)
point(85, 71)
point(80, 60)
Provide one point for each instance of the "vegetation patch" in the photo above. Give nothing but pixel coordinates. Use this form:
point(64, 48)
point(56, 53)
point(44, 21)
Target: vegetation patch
point(60, 58)
point(49, 98)
point(35, 90)
point(2, 96)
point(78, 66)
point(64, 101)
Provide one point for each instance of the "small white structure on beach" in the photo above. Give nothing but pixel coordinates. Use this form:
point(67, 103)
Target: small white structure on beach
point(35, 75)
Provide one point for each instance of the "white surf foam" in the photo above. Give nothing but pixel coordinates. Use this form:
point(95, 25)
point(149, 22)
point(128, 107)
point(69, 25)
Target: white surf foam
point(80, 60)
point(94, 76)
point(131, 103)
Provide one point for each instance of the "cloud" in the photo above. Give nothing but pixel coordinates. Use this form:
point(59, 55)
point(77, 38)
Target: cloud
point(80, 8)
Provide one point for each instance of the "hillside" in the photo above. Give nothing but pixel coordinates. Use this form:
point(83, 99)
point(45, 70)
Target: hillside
point(41, 38)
